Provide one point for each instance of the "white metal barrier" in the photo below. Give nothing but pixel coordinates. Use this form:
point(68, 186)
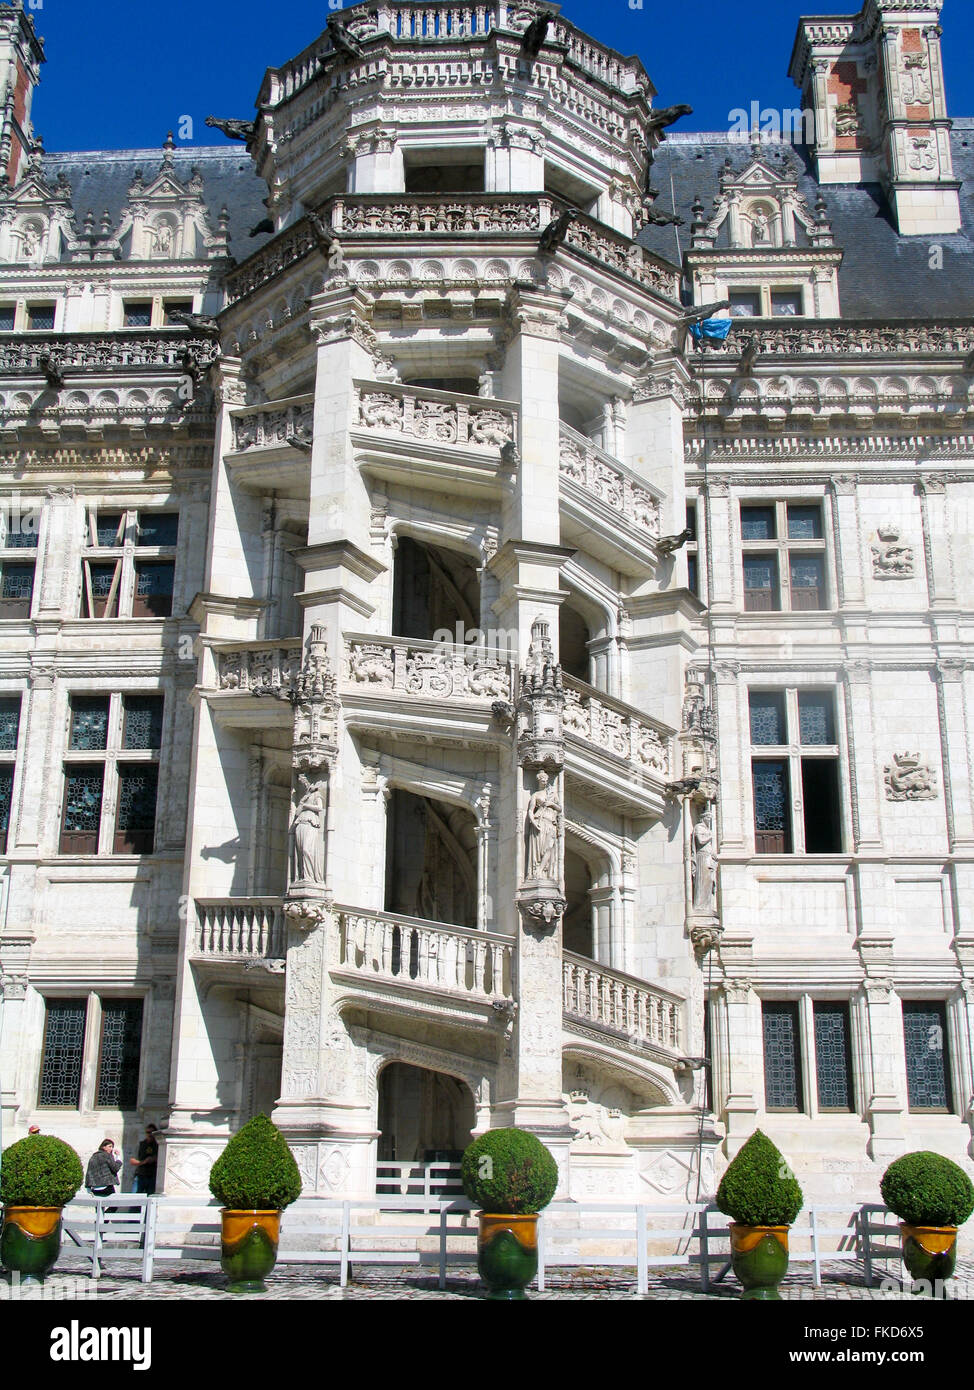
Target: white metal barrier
point(418, 1226)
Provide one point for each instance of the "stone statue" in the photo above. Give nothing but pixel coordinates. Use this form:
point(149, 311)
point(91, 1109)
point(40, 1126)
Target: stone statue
point(543, 825)
point(307, 841)
point(703, 864)
point(760, 228)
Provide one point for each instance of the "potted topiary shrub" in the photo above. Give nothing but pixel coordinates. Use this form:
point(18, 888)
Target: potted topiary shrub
point(932, 1196)
point(510, 1175)
point(762, 1196)
point(40, 1175)
point(254, 1179)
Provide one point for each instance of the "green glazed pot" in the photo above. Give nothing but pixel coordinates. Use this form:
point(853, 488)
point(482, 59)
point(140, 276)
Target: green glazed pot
point(507, 1253)
point(248, 1249)
point(929, 1253)
point(759, 1255)
point(31, 1240)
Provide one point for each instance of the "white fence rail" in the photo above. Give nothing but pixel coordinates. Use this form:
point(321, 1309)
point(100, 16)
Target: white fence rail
point(421, 1227)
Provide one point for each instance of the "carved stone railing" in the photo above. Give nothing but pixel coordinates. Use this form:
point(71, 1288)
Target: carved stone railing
point(158, 350)
point(600, 475)
point(437, 417)
point(458, 215)
point(258, 668)
point(274, 424)
point(240, 929)
point(404, 214)
point(616, 728)
point(831, 337)
point(606, 999)
point(411, 951)
point(426, 670)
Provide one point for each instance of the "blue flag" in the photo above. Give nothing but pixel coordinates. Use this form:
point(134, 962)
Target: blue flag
point(712, 328)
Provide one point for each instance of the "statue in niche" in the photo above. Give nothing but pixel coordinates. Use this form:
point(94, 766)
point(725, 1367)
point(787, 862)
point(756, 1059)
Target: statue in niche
point(703, 863)
point(543, 825)
point(760, 228)
point(162, 236)
point(307, 840)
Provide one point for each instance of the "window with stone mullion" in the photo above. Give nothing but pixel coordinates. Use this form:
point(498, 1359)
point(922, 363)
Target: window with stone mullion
point(111, 774)
point(795, 771)
point(783, 556)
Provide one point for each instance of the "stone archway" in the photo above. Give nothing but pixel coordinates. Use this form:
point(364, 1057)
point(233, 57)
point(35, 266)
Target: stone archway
point(424, 1116)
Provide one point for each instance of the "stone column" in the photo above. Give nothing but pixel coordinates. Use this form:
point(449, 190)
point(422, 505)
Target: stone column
point(847, 542)
point(955, 744)
point(885, 1064)
point(742, 1060)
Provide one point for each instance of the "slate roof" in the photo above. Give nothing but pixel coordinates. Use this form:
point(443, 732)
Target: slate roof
point(883, 275)
point(101, 179)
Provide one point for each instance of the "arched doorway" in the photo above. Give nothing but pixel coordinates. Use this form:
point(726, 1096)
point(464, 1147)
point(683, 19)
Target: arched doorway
point(424, 1116)
point(578, 934)
point(434, 589)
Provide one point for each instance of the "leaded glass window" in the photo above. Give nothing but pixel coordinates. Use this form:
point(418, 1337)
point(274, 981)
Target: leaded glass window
point(927, 1072)
point(9, 724)
point(158, 528)
point(89, 724)
point(804, 523)
point(816, 717)
point(82, 799)
point(833, 1061)
point(135, 826)
point(760, 583)
point(767, 716)
point(64, 1037)
point(121, 1043)
point(6, 797)
point(17, 585)
point(771, 821)
point(757, 524)
point(153, 590)
point(109, 529)
point(137, 796)
point(807, 582)
point(782, 1057)
point(143, 721)
point(22, 535)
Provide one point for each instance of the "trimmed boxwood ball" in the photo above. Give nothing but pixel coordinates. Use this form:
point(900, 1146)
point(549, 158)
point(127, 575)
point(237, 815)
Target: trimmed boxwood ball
point(926, 1189)
point(509, 1171)
point(256, 1171)
point(759, 1189)
point(40, 1171)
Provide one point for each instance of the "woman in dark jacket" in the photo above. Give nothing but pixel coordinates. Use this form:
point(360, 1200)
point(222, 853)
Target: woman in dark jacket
point(101, 1179)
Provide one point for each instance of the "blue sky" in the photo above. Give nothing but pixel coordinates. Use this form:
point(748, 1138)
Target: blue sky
point(119, 76)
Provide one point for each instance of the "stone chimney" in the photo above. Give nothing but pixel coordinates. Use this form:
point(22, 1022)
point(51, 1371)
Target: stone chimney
point(875, 84)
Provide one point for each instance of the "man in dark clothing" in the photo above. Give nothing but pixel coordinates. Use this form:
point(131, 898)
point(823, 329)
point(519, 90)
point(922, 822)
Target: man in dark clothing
point(145, 1164)
point(101, 1179)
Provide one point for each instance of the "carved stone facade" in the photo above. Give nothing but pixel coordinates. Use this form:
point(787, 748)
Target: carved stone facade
point(688, 782)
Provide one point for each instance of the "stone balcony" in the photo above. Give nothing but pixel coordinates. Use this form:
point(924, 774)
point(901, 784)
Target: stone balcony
point(616, 512)
point(270, 444)
point(410, 434)
point(621, 756)
point(440, 971)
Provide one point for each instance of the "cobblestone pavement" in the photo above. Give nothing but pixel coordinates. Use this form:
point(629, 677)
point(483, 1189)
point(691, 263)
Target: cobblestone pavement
point(120, 1282)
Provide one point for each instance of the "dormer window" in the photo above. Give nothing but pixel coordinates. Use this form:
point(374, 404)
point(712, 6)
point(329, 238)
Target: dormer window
point(137, 314)
point(745, 304)
point(786, 304)
point(40, 318)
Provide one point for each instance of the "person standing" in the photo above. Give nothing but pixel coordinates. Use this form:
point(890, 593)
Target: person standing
point(101, 1177)
point(145, 1164)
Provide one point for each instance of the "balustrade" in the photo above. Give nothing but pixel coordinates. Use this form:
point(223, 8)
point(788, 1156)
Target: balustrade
point(410, 950)
point(621, 1004)
point(594, 471)
point(426, 670)
point(258, 668)
point(274, 424)
point(240, 928)
point(439, 417)
point(615, 727)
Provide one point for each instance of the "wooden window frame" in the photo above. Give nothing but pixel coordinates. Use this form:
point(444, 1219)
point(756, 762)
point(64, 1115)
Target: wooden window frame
point(793, 753)
point(114, 758)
